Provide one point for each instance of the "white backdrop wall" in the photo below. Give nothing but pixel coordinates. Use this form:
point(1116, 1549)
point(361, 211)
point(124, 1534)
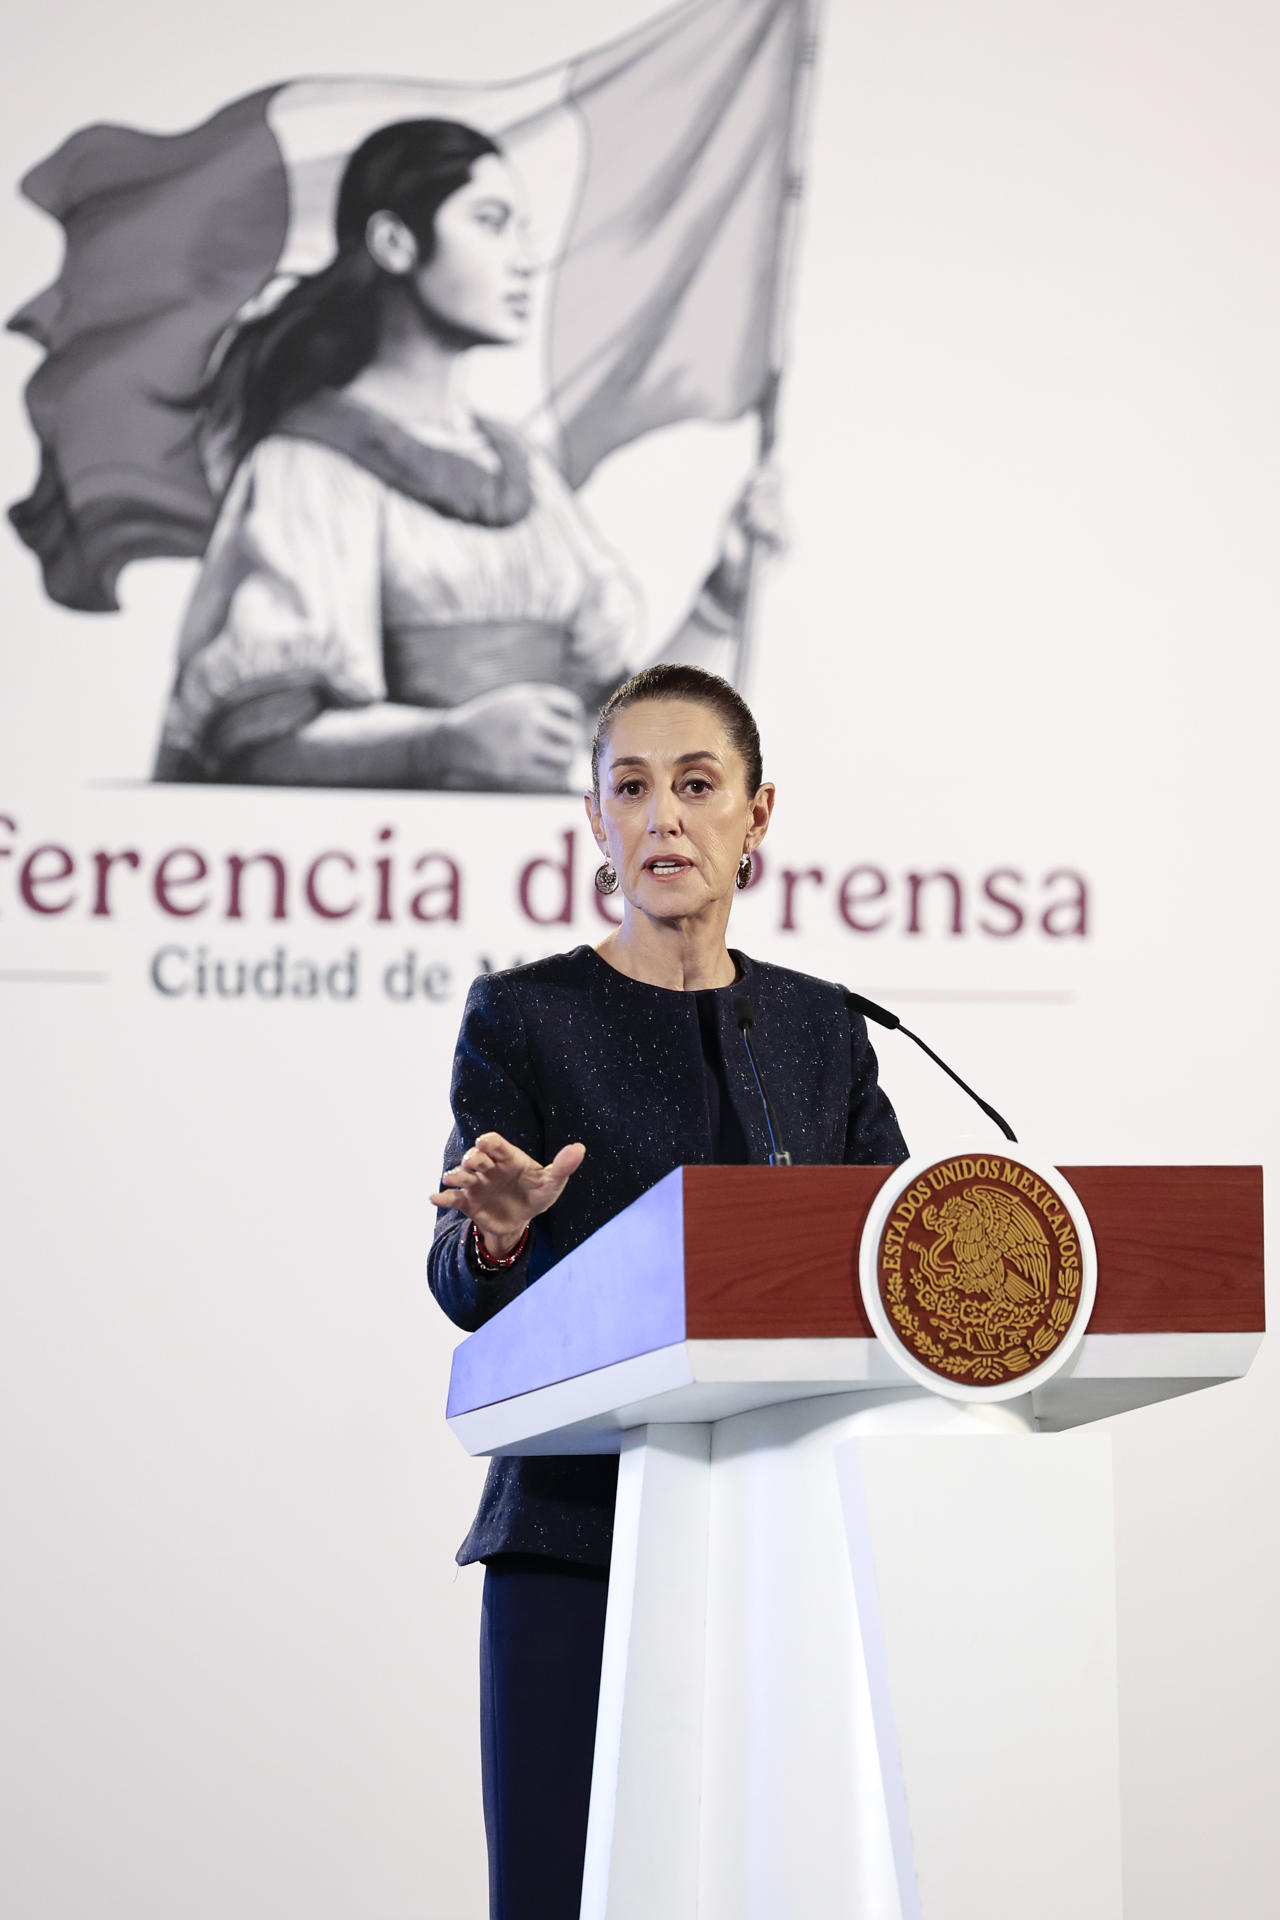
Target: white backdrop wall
point(1025, 628)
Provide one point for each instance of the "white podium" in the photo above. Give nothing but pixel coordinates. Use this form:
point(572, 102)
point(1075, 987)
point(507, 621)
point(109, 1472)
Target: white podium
point(852, 1667)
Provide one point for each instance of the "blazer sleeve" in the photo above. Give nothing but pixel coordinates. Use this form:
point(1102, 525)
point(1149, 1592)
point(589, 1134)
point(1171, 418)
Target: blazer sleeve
point(492, 1092)
point(873, 1137)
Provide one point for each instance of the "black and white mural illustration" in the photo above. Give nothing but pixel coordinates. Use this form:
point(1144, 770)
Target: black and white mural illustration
point(356, 346)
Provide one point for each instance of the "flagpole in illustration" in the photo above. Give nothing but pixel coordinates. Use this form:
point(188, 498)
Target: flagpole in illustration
point(788, 233)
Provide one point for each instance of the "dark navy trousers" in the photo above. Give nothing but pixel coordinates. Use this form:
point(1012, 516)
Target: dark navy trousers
point(541, 1640)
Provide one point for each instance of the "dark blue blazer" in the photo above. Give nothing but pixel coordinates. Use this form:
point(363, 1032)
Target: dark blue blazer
point(570, 1049)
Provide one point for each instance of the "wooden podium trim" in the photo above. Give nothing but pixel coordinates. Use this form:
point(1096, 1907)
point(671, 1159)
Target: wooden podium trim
point(1179, 1250)
point(757, 1272)
point(1182, 1248)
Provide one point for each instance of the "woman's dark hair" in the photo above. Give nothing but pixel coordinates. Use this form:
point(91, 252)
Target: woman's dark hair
point(324, 330)
point(685, 683)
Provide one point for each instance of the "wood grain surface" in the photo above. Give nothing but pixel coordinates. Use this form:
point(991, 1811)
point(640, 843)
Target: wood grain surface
point(1179, 1249)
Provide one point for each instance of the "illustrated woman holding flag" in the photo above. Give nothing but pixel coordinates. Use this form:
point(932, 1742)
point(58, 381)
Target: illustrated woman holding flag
point(397, 592)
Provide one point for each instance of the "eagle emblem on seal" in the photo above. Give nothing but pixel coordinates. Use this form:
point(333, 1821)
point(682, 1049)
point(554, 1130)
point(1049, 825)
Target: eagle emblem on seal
point(984, 1281)
point(990, 1243)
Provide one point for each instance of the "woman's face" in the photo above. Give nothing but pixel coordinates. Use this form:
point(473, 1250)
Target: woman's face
point(477, 280)
point(674, 815)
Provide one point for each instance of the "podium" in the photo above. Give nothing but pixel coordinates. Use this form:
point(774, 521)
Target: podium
point(852, 1667)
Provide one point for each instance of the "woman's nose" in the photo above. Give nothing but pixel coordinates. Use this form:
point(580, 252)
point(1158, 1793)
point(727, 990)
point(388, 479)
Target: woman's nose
point(523, 260)
point(664, 814)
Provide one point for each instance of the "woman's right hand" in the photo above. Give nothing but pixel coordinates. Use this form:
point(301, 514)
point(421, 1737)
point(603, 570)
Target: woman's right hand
point(501, 1189)
point(523, 737)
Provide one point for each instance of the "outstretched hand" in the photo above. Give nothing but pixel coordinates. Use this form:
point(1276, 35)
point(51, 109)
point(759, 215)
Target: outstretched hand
point(501, 1188)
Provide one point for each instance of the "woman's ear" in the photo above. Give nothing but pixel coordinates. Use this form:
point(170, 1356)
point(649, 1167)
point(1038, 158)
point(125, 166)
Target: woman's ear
point(761, 814)
point(390, 243)
point(594, 821)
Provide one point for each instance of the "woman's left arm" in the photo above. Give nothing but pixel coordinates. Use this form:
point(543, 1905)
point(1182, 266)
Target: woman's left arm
point(873, 1137)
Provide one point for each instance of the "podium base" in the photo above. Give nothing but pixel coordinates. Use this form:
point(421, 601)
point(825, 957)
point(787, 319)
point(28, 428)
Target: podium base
point(853, 1668)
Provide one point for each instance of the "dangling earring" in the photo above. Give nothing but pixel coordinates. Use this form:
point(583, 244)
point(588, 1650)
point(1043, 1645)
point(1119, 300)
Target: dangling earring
point(746, 868)
point(606, 878)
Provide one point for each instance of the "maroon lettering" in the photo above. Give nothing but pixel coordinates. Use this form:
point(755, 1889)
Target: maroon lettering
point(31, 880)
point(854, 895)
point(441, 898)
point(311, 891)
point(1067, 919)
point(166, 881)
point(791, 879)
point(1002, 900)
point(104, 863)
point(916, 884)
point(383, 870)
point(561, 877)
point(237, 865)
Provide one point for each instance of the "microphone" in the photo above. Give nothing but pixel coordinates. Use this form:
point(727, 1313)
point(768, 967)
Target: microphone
point(856, 1003)
point(746, 1020)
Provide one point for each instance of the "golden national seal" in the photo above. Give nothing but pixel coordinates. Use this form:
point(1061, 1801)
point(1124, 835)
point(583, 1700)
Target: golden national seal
point(979, 1269)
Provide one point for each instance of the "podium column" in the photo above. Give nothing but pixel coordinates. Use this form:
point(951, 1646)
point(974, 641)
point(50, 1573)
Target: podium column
point(853, 1667)
point(984, 1579)
point(643, 1834)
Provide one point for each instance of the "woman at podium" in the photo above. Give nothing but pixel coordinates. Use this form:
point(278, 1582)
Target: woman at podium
point(578, 1082)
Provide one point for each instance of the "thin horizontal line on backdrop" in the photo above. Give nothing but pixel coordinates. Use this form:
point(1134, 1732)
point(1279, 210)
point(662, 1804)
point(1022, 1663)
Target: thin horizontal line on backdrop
point(1012, 996)
point(996, 996)
point(29, 973)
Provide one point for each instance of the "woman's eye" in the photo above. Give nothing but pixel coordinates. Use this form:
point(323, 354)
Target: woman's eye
point(698, 784)
point(628, 788)
point(495, 218)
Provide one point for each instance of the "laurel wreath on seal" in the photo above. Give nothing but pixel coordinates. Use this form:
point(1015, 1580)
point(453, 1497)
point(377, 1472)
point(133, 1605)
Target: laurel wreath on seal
point(992, 1367)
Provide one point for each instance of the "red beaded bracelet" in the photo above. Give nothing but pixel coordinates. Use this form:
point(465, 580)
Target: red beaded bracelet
point(496, 1262)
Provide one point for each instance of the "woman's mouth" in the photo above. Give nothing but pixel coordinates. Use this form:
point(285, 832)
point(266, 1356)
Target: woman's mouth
point(663, 868)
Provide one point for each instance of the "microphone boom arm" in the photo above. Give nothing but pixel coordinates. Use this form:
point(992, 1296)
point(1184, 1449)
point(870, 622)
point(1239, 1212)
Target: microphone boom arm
point(858, 1003)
